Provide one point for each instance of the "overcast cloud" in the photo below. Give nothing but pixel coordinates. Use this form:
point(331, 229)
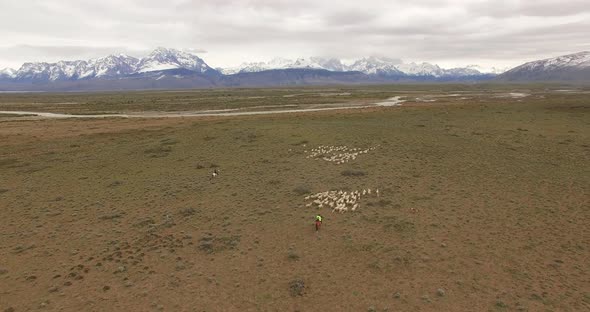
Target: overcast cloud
point(225, 33)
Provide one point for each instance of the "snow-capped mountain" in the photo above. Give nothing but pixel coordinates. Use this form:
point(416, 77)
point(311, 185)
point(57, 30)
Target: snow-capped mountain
point(379, 66)
point(580, 60)
point(330, 64)
point(569, 67)
point(111, 66)
point(488, 70)
point(471, 70)
point(7, 73)
point(376, 66)
point(566, 67)
point(421, 69)
point(254, 67)
point(369, 66)
point(164, 59)
point(173, 68)
point(393, 67)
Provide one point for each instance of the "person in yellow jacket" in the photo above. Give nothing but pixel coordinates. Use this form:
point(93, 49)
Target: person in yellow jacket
point(318, 222)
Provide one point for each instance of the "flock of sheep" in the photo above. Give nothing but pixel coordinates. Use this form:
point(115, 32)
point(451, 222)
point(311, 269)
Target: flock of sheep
point(338, 154)
point(339, 201)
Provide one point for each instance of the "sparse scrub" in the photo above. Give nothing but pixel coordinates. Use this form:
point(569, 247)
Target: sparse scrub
point(115, 183)
point(211, 244)
point(144, 223)
point(168, 142)
point(7, 162)
point(158, 151)
point(501, 304)
point(297, 287)
point(399, 226)
point(112, 216)
point(302, 142)
point(380, 203)
point(302, 189)
point(187, 212)
point(353, 173)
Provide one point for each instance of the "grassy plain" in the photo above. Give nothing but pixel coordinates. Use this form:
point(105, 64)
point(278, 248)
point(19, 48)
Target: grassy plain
point(484, 203)
point(210, 99)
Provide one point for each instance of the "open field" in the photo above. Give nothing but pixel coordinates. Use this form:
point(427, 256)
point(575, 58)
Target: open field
point(483, 204)
point(267, 99)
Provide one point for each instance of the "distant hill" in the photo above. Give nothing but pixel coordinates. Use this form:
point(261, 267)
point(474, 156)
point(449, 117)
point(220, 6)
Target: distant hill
point(566, 68)
point(296, 76)
point(373, 66)
point(173, 69)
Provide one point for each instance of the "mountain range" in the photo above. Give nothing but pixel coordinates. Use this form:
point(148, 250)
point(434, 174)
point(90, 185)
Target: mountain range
point(170, 68)
point(566, 68)
point(112, 66)
point(371, 66)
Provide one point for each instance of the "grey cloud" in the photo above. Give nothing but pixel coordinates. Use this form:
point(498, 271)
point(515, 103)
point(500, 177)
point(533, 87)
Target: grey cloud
point(350, 17)
point(58, 51)
point(539, 8)
point(36, 53)
point(231, 31)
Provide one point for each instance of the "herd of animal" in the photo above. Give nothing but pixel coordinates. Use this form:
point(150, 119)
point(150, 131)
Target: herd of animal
point(339, 201)
point(337, 154)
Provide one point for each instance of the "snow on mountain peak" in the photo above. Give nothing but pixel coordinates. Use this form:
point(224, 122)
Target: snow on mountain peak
point(579, 60)
point(422, 69)
point(119, 65)
point(487, 70)
point(7, 73)
point(376, 65)
point(110, 66)
point(570, 67)
point(164, 58)
point(372, 65)
point(283, 63)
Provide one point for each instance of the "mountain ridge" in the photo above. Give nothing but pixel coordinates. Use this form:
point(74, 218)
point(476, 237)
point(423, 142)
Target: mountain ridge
point(368, 65)
point(111, 66)
point(161, 59)
point(170, 68)
point(569, 67)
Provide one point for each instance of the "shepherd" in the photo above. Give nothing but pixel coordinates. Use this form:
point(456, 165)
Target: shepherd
point(318, 222)
point(215, 173)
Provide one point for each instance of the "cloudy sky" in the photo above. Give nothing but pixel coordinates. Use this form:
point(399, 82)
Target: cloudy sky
point(225, 33)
